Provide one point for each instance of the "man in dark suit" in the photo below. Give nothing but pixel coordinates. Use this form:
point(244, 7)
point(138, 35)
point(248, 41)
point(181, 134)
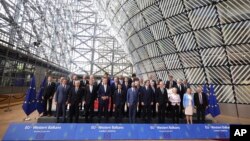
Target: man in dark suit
point(75, 99)
point(90, 96)
point(170, 83)
point(84, 82)
point(61, 99)
point(147, 102)
point(132, 102)
point(161, 101)
point(114, 87)
point(139, 85)
point(181, 91)
point(104, 94)
point(125, 88)
point(119, 101)
point(72, 82)
point(200, 103)
point(186, 85)
point(47, 97)
point(153, 86)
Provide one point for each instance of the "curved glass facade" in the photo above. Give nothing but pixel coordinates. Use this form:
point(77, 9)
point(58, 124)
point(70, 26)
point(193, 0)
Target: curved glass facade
point(198, 40)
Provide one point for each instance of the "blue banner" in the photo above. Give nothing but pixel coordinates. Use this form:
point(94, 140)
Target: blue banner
point(48, 131)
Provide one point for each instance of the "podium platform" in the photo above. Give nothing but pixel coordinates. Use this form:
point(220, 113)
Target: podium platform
point(71, 131)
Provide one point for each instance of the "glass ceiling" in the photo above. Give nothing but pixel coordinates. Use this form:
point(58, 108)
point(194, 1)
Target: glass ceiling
point(68, 33)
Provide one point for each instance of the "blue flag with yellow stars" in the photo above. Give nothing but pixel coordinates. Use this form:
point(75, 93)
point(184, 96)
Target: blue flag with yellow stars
point(29, 104)
point(204, 90)
point(39, 101)
point(213, 106)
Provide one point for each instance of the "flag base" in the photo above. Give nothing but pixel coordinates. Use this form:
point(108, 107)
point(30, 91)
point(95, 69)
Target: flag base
point(27, 119)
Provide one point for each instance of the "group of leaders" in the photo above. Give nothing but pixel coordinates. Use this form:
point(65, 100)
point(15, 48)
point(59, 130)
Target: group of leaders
point(123, 97)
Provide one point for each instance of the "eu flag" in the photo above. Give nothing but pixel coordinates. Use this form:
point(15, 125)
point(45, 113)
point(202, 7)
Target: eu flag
point(39, 100)
point(204, 90)
point(29, 104)
point(213, 107)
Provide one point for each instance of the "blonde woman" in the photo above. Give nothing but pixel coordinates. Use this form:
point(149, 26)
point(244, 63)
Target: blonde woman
point(188, 104)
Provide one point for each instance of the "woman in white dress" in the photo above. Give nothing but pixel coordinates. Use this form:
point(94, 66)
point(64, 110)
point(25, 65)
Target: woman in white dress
point(188, 104)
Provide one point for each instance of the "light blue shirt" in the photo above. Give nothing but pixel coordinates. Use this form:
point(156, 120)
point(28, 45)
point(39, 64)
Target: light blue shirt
point(186, 100)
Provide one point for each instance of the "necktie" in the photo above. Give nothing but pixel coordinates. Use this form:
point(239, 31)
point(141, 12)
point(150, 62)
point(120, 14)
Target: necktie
point(180, 87)
point(170, 84)
point(200, 97)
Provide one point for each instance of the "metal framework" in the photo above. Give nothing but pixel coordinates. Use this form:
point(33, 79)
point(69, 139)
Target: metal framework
point(67, 33)
point(198, 40)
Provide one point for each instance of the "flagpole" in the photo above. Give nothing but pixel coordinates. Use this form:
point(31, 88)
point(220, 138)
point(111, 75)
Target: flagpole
point(236, 106)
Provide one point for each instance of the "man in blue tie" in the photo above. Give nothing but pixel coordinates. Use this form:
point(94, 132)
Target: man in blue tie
point(104, 94)
point(132, 101)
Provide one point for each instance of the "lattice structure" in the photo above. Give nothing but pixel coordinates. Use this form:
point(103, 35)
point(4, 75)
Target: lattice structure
point(94, 49)
point(200, 40)
point(67, 33)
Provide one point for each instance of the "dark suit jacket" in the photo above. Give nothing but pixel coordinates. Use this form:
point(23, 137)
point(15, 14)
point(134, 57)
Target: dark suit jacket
point(168, 82)
point(71, 84)
point(185, 88)
point(181, 91)
point(62, 94)
point(119, 98)
point(90, 97)
point(161, 98)
point(84, 84)
point(125, 89)
point(49, 90)
point(101, 92)
point(147, 96)
point(75, 97)
point(153, 92)
point(113, 88)
point(132, 97)
point(197, 101)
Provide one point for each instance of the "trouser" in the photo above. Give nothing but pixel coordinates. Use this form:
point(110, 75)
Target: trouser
point(139, 112)
point(132, 113)
point(60, 107)
point(89, 112)
point(181, 114)
point(153, 110)
point(201, 114)
point(47, 109)
point(175, 113)
point(111, 107)
point(147, 113)
point(161, 112)
point(118, 113)
point(103, 109)
point(74, 111)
